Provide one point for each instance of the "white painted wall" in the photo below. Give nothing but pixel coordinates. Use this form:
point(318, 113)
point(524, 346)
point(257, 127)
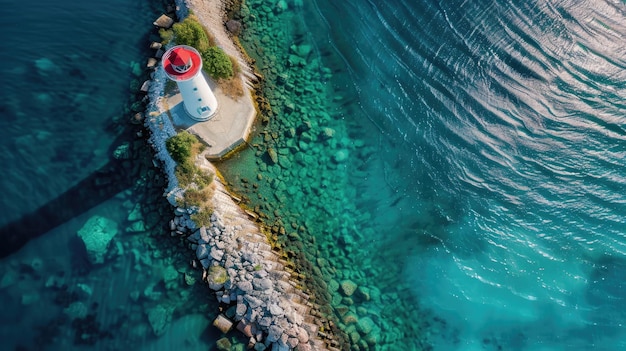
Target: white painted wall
point(198, 98)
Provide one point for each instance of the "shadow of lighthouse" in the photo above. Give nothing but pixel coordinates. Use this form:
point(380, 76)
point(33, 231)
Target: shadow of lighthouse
point(104, 183)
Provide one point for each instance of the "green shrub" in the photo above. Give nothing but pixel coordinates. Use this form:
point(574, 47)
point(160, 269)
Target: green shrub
point(187, 172)
point(194, 197)
point(180, 146)
point(203, 217)
point(190, 32)
point(166, 35)
point(217, 64)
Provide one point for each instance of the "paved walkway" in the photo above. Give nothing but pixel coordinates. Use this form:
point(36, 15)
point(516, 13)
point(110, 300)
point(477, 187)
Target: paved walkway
point(226, 130)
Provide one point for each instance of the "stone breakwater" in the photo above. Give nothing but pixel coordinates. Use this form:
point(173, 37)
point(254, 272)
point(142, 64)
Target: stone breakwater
point(247, 276)
point(259, 298)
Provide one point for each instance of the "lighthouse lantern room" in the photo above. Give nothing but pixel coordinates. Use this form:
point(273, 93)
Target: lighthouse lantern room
point(183, 64)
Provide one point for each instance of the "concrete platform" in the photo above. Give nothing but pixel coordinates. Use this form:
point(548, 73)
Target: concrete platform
point(226, 130)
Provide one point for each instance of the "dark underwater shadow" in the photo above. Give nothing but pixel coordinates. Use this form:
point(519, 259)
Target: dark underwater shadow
point(101, 185)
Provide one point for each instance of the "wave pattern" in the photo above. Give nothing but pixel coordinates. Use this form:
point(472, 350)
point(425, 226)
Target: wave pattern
point(508, 118)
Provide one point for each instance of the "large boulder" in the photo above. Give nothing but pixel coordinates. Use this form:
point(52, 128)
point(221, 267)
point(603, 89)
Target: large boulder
point(348, 287)
point(97, 234)
point(217, 277)
point(159, 318)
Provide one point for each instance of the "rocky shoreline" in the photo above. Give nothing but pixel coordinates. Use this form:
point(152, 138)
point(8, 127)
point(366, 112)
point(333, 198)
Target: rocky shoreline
point(257, 295)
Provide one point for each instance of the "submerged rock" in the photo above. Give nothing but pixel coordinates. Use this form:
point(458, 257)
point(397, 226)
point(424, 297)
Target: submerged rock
point(348, 287)
point(159, 318)
point(223, 344)
point(97, 234)
point(273, 155)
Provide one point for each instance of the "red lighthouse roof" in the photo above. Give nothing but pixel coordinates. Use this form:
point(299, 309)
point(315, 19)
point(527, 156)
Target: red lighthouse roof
point(182, 62)
point(180, 57)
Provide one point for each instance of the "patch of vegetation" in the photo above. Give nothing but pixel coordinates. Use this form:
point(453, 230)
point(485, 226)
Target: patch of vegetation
point(217, 64)
point(184, 147)
point(166, 35)
point(187, 173)
point(191, 32)
point(180, 146)
point(232, 87)
point(203, 216)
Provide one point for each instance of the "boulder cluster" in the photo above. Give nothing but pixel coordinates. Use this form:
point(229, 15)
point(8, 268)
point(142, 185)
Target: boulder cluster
point(249, 281)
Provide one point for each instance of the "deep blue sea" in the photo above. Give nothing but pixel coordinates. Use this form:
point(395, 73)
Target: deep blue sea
point(461, 162)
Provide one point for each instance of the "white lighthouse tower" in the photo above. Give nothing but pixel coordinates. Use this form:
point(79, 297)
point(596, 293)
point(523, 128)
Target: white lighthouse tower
point(183, 64)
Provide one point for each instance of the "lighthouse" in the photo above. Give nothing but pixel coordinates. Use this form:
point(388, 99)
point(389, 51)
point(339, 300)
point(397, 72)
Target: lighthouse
point(183, 64)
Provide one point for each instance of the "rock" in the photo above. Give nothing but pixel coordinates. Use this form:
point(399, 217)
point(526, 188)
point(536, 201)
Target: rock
point(259, 346)
point(276, 311)
point(333, 285)
point(155, 45)
point(202, 252)
point(302, 335)
point(9, 278)
point(289, 106)
point(273, 155)
point(163, 22)
point(292, 342)
point(294, 317)
point(274, 333)
point(305, 347)
point(203, 236)
point(136, 227)
point(348, 287)
point(354, 337)
point(159, 318)
point(279, 347)
point(245, 328)
point(170, 274)
point(245, 286)
point(365, 325)
point(122, 152)
point(216, 254)
point(223, 324)
point(350, 318)
point(205, 263)
point(253, 302)
point(373, 337)
point(76, 310)
point(30, 298)
point(327, 133)
point(340, 156)
point(152, 62)
point(281, 6)
point(190, 279)
point(146, 85)
point(233, 26)
point(363, 293)
point(241, 310)
point(217, 276)
point(261, 284)
point(223, 344)
point(265, 322)
point(97, 234)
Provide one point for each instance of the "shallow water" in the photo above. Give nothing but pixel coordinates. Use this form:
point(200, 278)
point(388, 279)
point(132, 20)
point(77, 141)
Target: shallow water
point(462, 158)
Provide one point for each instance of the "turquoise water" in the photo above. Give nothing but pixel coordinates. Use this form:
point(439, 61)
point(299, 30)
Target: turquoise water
point(69, 76)
point(461, 161)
